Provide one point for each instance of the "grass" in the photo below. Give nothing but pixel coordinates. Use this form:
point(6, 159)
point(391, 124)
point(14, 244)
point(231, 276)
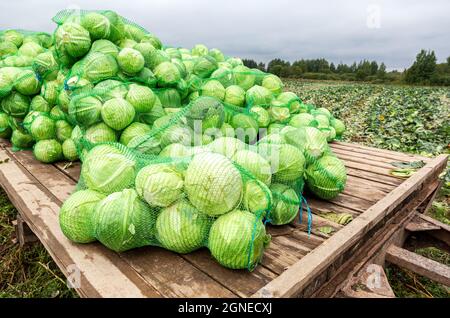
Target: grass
point(29, 271)
point(407, 284)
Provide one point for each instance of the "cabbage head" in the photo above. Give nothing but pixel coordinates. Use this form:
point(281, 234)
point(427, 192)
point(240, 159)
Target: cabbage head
point(63, 130)
point(262, 116)
point(255, 164)
point(39, 104)
point(246, 127)
point(286, 204)
point(182, 228)
point(175, 150)
point(16, 104)
point(226, 146)
point(279, 114)
point(99, 66)
point(108, 172)
point(130, 61)
point(86, 110)
point(100, 133)
point(292, 101)
point(5, 129)
point(135, 129)
point(21, 140)
point(302, 120)
point(204, 66)
point(159, 184)
point(104, 46)
point(43, 127)
point(326, 177)
point(199, 50)
point(123, 221)
point(73, 39)
point(214, 89)
point(76, 216)
point(213, 184)
point(69, 150)
point(117, 113)
point(310, 140)
point(48, 151)
point(27, 83)
point(257, 197)
point(258, 95)
point(167, 74)
point(207, 111)
point(287, 162)
point(273, 84)
point(224, 76)
point(141, 97)
point(237, 240)
point(338, 126)
point(97, 25)
point(234, 95)
point(244, 77)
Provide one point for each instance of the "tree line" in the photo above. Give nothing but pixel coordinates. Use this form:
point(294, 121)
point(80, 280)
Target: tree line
point(424, 70)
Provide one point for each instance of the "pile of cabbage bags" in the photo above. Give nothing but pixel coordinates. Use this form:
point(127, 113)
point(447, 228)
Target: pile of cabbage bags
point(180, 148)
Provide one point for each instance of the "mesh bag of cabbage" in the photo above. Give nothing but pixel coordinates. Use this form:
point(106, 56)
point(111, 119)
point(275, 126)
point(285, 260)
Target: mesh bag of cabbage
point(126, 199)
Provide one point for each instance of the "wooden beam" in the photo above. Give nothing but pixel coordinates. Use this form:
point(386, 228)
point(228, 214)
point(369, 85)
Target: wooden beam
point(418, 264)
point(291, 282)
point(23, 233)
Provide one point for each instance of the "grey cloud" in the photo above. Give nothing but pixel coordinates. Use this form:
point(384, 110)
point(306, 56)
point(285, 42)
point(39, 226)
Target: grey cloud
point(264, 30)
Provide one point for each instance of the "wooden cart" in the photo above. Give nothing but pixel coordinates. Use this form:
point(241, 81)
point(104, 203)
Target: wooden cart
point(343, 263)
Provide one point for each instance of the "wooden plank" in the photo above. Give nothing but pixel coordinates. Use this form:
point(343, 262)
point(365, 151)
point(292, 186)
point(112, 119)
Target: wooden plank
point(350, 156)
point(420, 225)
point(172, 275)
point(379, 178)
point(369, 157)
point(418, 264)
point(395, 155)
point(242, 282)
point(102, 274)
point(373, 169)
point(72, 170)
point(291, 282)
point(61, 187)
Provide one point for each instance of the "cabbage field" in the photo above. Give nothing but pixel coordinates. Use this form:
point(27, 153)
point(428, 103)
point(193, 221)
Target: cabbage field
point(183, 148)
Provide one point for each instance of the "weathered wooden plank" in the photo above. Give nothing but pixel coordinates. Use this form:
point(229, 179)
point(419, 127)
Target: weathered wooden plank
point(72, 169)
point(378, 178)
point(101, 273)
point(370, 168)
point(348, 155)
point(242, 282)
point(395, 155)
point(291, 282)
point(172, 275)
point(418, 264)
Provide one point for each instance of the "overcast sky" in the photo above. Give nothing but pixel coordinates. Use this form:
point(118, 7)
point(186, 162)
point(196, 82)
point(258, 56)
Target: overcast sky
point(347, 31)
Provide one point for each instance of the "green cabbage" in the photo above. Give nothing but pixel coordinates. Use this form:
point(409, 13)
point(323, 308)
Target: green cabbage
point(48, 151)
point(16, 105)
point(207, 111)
point(73, 39)
point(258, 95)
point(123, 221)
point(117, 113)
point(182, 228)
point(108, 172)
point(76, 216)
point(21, 140)
point(142, 98)
point(69, 150)
point(226, 146)
point(63, 130)
point(326, 177)
point(285, 206)
point(5, 129)
point(97, 25)
point(262, 116)
point(255, 164)
point(130, 61)
point(237, 240)
point(213, 184)
point(135, 129)
point(234, 95)
point(86, 110)
point(273, 84)
point(244, 77)
point(99, 66)
point(302, 120)
point(100, 133)
point(167, 74)
point(43, 127)
point(159, 184)
point(214, 89)
point(257, 197)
